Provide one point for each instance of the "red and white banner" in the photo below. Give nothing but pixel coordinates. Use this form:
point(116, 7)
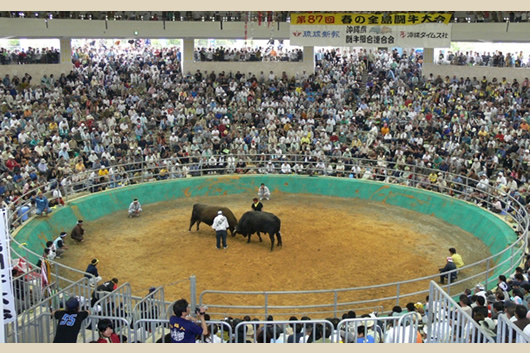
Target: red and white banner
point(431, 35)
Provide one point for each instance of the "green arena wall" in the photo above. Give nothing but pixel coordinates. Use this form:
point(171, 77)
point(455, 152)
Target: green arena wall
point(494, 232)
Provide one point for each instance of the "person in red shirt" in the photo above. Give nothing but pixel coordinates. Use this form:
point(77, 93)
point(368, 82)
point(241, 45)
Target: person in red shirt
point(12, 163)
point(106, 332)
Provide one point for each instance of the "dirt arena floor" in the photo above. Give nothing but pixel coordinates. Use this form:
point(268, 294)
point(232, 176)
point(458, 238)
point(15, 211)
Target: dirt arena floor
point(328, 242)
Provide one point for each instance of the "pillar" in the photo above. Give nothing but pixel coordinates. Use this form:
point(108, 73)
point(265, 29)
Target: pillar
point(188, 45)
point(309, 57)
point(428, 55)
point(66, 51)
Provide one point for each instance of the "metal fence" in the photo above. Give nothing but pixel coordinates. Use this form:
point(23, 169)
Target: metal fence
point(448, 323)
point(507, 332)
point(367, 169)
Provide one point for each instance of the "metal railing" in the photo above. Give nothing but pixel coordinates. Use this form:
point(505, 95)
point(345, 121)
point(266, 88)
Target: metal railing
point(367, 169)
point(448, 323)
point(507, 332)
point(390, 329)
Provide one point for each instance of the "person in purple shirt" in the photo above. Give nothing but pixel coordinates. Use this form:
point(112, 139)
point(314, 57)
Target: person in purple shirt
point(183, 327)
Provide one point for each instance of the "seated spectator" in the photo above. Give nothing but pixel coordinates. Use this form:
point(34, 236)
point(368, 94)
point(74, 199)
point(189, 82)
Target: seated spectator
point(106, 332)
point(42, 205)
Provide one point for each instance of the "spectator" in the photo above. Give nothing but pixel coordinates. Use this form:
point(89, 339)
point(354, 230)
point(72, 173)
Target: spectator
point(42, 204)
point(69, 322)
point(184, 327)
point(106, 332)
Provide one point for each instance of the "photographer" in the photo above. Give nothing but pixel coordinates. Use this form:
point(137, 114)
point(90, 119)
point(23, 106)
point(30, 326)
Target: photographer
point(184, 327)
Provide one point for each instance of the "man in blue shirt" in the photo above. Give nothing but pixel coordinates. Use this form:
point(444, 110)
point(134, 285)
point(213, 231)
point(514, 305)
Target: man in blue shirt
point(361, 338)
point(42, 204)
point(183, 327)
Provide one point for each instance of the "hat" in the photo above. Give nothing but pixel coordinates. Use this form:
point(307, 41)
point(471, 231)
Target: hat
point(418, 306)
point(63, 234)
point(152, 289)
point(489, 326)
point(499, 173)
point(43, 160)
point(220, 212)
point(72, 303)
point(80, 221)
point(450, 259)
point(370, 323)
point(94, 262)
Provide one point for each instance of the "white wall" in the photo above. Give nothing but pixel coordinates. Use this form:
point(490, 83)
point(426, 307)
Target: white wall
point(36, 28)
point(290, 68)
point(35, 70)
point(476, 71)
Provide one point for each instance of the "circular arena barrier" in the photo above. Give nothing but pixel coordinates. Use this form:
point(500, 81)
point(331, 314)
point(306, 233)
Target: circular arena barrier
point(393, 188)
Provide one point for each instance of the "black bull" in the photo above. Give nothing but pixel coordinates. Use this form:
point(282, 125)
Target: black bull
point(264, 222)
point(207, 213)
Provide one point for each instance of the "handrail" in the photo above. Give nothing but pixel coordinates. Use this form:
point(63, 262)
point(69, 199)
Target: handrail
point(507, 332)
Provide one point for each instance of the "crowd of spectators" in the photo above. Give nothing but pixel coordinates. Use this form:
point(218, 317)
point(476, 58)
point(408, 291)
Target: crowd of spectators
point(21, 56)
point(135, 106)
point(494, 58)
point(248, 54)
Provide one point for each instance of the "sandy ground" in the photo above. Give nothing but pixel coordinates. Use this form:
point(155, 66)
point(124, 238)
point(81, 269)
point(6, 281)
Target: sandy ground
point(328, 243)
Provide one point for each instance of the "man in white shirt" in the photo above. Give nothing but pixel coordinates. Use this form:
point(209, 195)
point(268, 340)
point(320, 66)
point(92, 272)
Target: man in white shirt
point(220, 224)
point(135, 209)
point(264, 192)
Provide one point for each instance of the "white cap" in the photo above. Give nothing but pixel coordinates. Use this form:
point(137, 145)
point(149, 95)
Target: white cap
point(220, 212)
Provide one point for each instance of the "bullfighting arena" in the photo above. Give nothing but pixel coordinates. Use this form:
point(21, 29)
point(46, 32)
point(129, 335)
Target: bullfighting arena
point(328, 242)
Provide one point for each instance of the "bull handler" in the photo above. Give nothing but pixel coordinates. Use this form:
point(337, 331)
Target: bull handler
point(220, 224)
point(135, 209)
point(256, 205)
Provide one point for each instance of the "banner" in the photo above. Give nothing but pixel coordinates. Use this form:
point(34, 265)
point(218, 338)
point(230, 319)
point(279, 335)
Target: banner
point(7, 306)
point(434, 35)
point(371, 19)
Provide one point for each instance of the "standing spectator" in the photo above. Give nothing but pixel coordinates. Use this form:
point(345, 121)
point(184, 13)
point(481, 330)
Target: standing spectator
point(42, 204)
point(263, 192)
point(69, 322)
point(256, 205)
point(135, 209)
point(57, 197)
point(78, 232)
point(106, 332)
point(92, 273)
point(60, 247)
point(220, 224)
point(184, 327)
